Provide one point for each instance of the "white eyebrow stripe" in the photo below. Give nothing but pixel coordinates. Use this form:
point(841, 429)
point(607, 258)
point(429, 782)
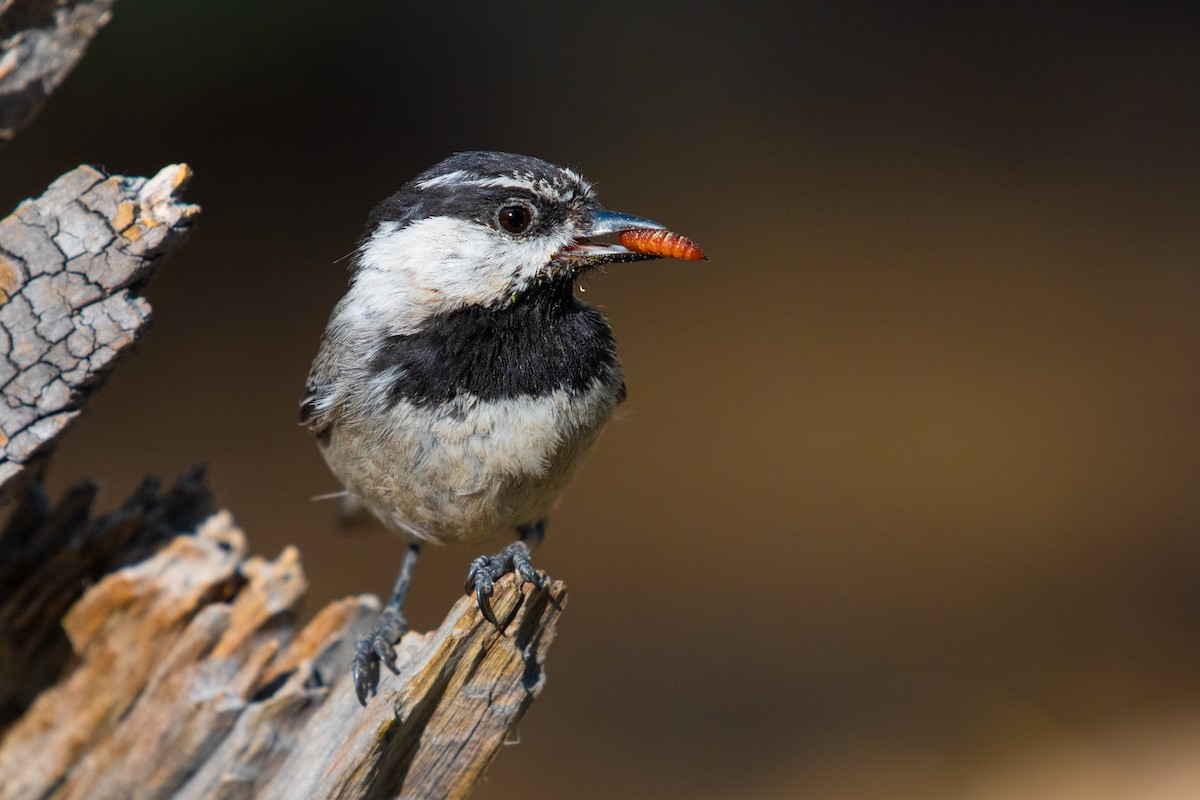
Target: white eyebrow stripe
point(551, 192)
point(462, 178)
point(449, 177)
point(505, 183)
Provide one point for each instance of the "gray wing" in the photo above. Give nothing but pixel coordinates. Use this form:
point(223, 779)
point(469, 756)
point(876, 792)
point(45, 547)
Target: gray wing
point(317, 409)
point(325, 391)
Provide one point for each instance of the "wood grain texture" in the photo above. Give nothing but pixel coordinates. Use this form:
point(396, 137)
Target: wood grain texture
point(49, 554)
point(143, 653)
point(41, 41)
point(70, 264)
point(189, 678)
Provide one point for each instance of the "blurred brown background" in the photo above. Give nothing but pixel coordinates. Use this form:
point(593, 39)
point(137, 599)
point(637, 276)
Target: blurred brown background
point(904, 500)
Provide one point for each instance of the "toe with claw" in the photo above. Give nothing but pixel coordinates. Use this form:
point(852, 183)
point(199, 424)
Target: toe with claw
point(375, 648)
point(486, 570)
point(378, 645)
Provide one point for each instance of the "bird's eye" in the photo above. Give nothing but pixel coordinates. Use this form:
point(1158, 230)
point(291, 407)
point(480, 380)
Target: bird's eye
point(515, 219)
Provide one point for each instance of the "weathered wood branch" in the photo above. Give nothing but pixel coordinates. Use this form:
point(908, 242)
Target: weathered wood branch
point(143, 654)
point(187, 676)
point(49, 555)
point(40, 42)
point(70, 264)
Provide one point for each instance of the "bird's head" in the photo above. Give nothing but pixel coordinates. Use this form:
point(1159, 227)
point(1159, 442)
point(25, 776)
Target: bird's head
point(479, 229)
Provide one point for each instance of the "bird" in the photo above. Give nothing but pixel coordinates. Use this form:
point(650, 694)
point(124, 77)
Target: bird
point(460, 382)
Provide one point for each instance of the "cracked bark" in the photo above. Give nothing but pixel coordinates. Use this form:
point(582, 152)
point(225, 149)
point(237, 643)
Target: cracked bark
point(70, 264)
point(40, 42)
point(143, 654)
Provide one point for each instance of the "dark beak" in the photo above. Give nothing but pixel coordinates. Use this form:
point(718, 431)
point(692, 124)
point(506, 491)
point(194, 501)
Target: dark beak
point(583, 252)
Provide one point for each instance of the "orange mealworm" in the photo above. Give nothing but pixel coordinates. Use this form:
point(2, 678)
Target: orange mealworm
point(662, 243)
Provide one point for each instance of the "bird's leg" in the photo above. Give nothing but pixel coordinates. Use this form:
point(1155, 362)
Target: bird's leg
point(514, 558)
point(533, 533)
point(377, 645)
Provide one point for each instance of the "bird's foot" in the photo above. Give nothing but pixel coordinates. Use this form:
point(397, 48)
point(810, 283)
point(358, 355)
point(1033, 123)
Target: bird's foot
point(374, 648)
point(486, 570)
point(377, 646)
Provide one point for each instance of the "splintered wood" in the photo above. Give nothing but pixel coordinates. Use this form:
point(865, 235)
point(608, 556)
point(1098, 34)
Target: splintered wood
point(142, 653)
point(190, 681)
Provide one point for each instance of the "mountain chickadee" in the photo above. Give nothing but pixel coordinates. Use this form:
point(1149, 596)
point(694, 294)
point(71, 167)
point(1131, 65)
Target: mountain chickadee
point(459, 382)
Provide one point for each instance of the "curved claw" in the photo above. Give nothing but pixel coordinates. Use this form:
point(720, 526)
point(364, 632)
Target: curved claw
point(478, 568)
point(386, 654)
point(364, 669)
point(483, 596)
point(527, 574)
point(374, 649)
point(486, 570)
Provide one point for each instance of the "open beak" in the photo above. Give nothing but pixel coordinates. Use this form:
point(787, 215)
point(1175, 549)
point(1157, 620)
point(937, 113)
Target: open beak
point(583, 252)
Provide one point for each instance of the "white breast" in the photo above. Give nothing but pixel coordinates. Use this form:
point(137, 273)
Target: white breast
point(465, 470)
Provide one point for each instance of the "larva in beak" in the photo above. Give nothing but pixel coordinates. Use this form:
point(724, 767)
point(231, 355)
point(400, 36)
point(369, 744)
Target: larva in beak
point(661, 243)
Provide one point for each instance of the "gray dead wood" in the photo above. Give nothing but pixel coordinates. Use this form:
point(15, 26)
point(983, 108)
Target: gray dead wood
point(70, 264)
point(187, 677)
point(40, 42)
point(143, 654)
point(50, 554)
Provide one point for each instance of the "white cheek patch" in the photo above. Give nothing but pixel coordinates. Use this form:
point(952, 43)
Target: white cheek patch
point(439, 264)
